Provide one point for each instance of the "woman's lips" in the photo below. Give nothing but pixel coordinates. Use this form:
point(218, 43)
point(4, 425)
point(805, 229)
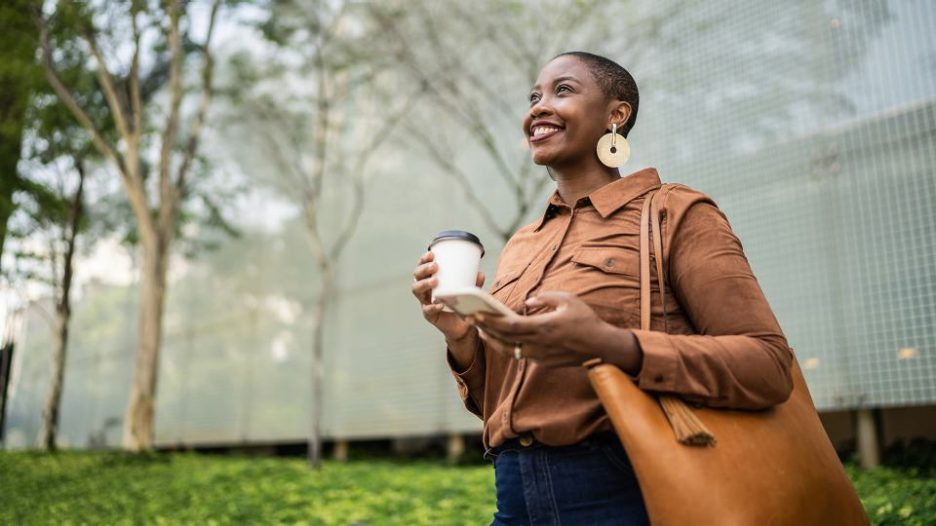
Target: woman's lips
point(543, 137)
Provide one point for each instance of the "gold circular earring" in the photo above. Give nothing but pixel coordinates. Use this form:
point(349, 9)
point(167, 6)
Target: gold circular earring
point(613, 148)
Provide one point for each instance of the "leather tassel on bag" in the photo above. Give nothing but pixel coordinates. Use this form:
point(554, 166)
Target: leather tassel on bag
point(686, 425)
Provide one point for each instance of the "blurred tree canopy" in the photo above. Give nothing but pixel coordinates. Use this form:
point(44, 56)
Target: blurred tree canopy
point(20, 76)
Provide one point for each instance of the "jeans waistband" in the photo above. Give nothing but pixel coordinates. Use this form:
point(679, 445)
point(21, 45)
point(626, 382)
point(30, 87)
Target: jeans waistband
point(526, 442)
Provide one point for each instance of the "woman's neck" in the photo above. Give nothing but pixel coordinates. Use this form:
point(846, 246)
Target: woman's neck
point(574, 183)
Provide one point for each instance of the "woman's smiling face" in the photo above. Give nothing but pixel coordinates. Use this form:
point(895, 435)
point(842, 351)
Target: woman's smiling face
point(568, 113)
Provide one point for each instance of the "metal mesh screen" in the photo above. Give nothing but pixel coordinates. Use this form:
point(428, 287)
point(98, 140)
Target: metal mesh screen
point(812, 124)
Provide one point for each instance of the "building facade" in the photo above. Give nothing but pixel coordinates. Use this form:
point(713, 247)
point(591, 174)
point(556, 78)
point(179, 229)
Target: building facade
point(812, 125)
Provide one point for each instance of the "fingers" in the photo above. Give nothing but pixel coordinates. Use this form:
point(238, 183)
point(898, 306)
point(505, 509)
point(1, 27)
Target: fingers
point(504, 336)
point(553, 298)
point(541, 355)
point(495, 343)
point(431, 310)
point(425, 270)
point(493, 334)
point(515, 327)
point(424, 278)
point(425, 258)
point(422, 289)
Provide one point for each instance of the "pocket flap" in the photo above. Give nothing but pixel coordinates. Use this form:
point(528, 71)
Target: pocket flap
point(506, 278)
point(610, 259)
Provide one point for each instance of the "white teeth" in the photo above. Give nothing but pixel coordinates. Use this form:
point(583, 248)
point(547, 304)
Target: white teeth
point(542, 130)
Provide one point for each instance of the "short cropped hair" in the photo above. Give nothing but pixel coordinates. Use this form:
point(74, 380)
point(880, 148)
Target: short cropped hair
point(615, 81)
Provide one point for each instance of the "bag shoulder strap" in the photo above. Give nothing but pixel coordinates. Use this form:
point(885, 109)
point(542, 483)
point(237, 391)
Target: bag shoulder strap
point(686, 425)
point(645, 263)
point(650, 226)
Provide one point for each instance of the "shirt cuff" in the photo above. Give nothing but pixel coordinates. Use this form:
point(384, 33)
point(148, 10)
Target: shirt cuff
point(660, 361)
point(470, 380)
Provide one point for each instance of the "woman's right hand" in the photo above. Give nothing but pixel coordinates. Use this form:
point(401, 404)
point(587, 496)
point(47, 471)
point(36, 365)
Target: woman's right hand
point(453, 327)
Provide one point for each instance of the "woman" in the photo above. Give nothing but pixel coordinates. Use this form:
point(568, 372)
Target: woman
point(575, 272)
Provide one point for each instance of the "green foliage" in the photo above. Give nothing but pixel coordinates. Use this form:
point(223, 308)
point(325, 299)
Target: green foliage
point(19, 75)
point(897, 496)
point(116, 488)
point(184, 488)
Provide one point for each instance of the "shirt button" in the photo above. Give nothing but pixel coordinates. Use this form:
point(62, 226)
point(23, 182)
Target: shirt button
point(609, 262)
point(526, 441)
point(658, 378)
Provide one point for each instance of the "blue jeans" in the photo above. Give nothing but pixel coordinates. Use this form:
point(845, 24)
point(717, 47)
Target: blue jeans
point(589, 483)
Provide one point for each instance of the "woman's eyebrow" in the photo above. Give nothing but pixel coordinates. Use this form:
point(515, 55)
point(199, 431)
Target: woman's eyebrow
point(556, 81)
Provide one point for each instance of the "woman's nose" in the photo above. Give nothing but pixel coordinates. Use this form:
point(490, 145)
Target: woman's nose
point(541, 107)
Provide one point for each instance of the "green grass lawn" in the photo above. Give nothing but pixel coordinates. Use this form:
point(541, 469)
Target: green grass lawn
point(177, 488)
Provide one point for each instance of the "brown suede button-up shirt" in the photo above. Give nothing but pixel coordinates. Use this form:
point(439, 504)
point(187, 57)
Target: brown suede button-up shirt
point(724, 347)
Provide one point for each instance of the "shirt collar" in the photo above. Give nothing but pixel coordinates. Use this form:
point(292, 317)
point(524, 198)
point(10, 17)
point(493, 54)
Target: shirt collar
point(610, 197)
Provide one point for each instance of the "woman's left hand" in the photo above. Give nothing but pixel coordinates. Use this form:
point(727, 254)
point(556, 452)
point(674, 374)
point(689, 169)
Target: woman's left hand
point(568, 334)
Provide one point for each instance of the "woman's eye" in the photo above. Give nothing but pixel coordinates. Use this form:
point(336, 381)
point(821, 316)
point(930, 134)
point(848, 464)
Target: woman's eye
point(534, 97)
point(563, 87)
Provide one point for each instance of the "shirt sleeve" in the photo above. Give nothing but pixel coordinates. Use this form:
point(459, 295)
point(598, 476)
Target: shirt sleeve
point(739, 357)
point(471, 380)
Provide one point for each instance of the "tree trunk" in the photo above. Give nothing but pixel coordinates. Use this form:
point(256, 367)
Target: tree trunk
point(50, 413)
point(6, 361)
point(318, 363)
point(8, 180)
point(138, 420)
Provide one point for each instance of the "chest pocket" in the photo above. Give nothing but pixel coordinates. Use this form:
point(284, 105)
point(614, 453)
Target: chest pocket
point(607, 278)
point(505, 283)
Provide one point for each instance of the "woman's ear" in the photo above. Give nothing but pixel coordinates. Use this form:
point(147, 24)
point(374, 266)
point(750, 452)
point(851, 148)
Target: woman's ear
point(620, 112)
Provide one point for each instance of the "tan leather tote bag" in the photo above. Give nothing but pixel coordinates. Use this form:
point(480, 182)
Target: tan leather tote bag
point(724, 467)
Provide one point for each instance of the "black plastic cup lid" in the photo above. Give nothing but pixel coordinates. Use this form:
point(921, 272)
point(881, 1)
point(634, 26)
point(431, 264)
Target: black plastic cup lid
point(457, 234)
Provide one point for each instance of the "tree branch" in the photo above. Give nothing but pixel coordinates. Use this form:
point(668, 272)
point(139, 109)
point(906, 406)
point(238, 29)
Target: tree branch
point(77, 210)
point(136, 104)
point(470, 113)
point(462, 110)
point(310, 213)
point(451, 169)
point(357, 172)
point(207, 92)
point(107, 83)
point(69, 100)
point(172, 121)
point(323, 109)
point(290, 169)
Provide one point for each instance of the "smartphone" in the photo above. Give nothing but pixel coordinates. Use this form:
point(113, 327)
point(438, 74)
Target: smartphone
point(472, 300)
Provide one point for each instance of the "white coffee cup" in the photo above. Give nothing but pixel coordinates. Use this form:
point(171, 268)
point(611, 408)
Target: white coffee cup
point(458, 255)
